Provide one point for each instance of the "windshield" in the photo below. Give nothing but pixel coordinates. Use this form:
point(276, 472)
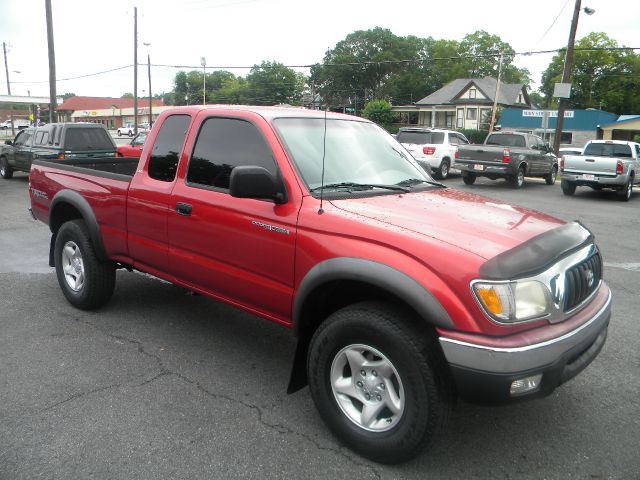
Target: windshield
point(356, 152)
point(506, 140)
point(608, 150)
point(421, 138)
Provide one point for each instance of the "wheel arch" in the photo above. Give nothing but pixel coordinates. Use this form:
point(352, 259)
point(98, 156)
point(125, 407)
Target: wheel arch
point(338, 282)
point(69, 205)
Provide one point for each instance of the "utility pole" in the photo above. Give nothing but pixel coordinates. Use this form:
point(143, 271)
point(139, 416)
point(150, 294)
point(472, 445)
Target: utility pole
point(6, 67)
point(135, 70)
point(52, 63)
point(495, 100)
point(566, 74)
point(203, 62)
point(150, 101)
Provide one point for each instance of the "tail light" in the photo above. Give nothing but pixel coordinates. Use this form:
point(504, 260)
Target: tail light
point(506, 155)
point(455, 153)
point(61, 156)
point(428, 150)
point(562, 163)
point(619, 167)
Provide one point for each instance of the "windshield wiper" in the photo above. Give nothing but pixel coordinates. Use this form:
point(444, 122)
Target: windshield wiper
point(360, 186)
point(409, 182)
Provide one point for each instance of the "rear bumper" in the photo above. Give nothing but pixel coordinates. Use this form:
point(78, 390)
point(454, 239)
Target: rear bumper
point(497, 170)
point(577, 178)
point(484, 374)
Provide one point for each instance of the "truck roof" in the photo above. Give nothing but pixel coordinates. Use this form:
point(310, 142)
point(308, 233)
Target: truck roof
point(268, 112)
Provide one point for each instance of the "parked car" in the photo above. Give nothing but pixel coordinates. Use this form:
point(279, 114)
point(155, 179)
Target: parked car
point(434, 149)
point(611, 164)
point(18, 124)
point(127, 129)
point(509, 155)
point(54, 140)
point(403, 294)
point(134, 147)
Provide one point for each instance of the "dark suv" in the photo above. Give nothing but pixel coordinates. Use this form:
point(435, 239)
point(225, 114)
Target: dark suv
point(55, 140)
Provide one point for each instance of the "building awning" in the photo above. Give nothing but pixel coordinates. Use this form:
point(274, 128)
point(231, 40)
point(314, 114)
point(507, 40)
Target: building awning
point(15, 99)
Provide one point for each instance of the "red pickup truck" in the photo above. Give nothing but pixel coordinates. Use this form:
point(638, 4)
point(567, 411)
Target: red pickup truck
point(403, 294)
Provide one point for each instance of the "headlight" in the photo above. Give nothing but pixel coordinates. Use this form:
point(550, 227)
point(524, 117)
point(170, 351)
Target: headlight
point(511, 302)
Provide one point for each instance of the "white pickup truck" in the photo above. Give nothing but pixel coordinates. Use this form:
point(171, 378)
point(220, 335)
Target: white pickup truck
point(613, 164)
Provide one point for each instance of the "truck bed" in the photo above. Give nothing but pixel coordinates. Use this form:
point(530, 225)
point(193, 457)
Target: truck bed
point(108, 167)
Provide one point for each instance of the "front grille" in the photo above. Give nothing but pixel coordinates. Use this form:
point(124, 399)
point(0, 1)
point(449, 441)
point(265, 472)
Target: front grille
point(581, 280)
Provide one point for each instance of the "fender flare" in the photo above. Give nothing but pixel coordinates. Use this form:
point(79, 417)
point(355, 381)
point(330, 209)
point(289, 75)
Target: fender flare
point(383, 276)
point(79, 203)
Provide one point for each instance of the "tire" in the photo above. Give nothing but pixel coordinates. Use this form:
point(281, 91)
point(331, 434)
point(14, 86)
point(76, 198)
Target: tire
point(119, 133)
point(6, 171)
point(408, 398)
point(130, 133)
point(568, 188)
point(550, 178)
point(517, 180)
point(625, 193)
point(469, 178)
point(86, 282)
point(442, 171)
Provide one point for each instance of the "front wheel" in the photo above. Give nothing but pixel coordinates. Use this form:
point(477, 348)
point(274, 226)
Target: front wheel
point(86, 281)
point(6, 171)
point(568, 188)
point(376, 382)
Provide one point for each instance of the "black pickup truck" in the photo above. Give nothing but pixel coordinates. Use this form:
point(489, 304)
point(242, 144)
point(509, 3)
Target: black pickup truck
point(55, 140)
point(510, 155)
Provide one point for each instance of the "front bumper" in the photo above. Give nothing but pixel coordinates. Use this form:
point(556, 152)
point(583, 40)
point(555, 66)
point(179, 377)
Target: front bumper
point(602, 180)
point(484, 373)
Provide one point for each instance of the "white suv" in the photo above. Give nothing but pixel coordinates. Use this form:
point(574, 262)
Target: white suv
point(434, 149)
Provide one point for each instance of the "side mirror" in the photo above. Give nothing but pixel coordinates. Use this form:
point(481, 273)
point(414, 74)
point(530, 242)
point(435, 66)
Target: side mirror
point(256, 182)
point(8, 142)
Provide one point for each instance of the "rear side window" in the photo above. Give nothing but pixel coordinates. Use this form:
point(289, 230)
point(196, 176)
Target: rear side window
point(165, 154)
point(506, 140)
point(421, 138)
point(42, 137)
point(87, 139)
point(608, 150)
point(222, 145)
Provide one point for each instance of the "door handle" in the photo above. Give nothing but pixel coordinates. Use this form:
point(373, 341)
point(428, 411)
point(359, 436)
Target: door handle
point(183, 209)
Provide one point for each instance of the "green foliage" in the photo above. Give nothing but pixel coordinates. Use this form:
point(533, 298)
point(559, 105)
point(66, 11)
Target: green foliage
point(474, 136)
point(606, 79)
point(127, 95)
point(271, 83)
point(67, 95)
point(379, 111)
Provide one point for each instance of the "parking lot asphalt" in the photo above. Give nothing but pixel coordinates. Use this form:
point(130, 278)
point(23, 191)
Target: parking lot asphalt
point(164, 384)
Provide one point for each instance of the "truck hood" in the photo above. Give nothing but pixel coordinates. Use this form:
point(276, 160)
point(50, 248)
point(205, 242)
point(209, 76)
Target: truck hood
point(479, 225)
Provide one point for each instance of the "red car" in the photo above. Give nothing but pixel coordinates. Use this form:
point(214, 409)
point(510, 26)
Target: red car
point(403, 294)
point(134, 147)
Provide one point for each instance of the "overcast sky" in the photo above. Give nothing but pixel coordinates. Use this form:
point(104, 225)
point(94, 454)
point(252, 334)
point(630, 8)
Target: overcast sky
point(93, 36)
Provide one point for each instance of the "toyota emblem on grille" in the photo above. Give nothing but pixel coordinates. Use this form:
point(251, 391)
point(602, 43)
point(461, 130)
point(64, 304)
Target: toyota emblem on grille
point(590, 278)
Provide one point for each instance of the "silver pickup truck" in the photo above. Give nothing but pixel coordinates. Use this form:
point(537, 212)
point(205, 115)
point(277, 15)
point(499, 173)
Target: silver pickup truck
point(613, 164)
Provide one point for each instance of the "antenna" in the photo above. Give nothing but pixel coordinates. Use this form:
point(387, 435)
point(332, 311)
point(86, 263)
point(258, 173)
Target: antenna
point(324, 152)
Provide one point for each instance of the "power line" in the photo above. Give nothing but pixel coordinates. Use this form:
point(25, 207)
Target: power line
point(552, 23)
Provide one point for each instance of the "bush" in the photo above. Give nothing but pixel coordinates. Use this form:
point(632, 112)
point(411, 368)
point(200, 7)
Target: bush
point(475, 136)
point(379, 111)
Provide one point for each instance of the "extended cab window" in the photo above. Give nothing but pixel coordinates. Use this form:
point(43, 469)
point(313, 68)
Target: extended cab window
point(222, 145)
point(165, 154)
point(42, 137)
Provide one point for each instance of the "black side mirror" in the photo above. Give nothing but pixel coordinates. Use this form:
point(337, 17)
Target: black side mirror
point(256, 182)
point(8, 142)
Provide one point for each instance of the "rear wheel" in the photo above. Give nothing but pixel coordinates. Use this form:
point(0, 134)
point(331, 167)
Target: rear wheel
point(517, 180)
point(442, 171)
point(5, 169)
point(469, 178)
point(86, 282)
point(376, 381)
point(568, 188)
point(625, 193)
point(550, 178)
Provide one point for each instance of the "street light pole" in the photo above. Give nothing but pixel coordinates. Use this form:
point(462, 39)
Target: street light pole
point(149, 74)
point(203, 62)
point(6, 67)
point(52, 63)
point(135, 70)
point(566, 74)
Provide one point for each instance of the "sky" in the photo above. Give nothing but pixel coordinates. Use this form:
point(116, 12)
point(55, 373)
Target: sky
point(94, 36)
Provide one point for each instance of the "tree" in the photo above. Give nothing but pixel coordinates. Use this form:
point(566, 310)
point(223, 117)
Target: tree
point(271, 83)
point(602, 76)
point(127, 95)
point(67, 95)
point(379, 111)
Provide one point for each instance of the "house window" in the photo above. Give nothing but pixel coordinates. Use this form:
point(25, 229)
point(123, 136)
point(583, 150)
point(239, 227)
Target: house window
point(472, 93)
point(485, 118)
point(566, 138)
point(449, 119)
point(472, 114)
point(460, 118)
